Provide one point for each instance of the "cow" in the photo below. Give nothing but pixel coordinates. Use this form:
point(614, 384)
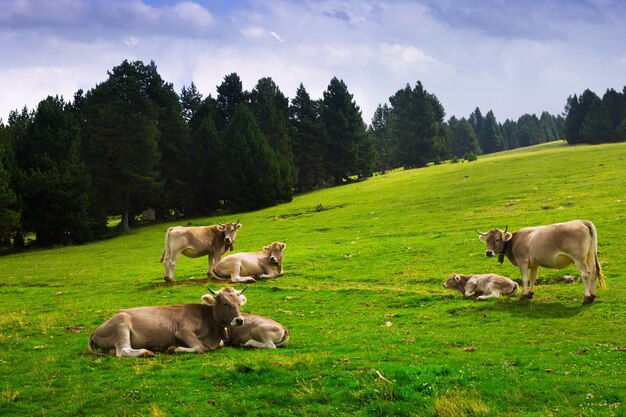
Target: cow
point(258, 332)
point(481, 286)
point(553, 246)
point(195, 242)
point(249, 266)
point(183, 328)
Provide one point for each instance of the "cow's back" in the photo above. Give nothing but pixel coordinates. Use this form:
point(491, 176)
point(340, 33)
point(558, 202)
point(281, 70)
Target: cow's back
point(193, 241)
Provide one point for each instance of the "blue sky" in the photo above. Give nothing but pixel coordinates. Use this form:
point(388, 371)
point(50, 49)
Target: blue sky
point(512, 57)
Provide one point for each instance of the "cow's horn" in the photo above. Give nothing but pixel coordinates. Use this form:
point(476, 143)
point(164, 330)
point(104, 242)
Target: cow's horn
point(237, 222)
point(480, 233)
point(506, 228)
point(241, 292)
point(212, 292)
point(220, 224)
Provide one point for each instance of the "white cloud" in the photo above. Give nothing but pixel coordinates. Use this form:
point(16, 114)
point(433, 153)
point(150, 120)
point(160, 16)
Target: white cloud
point(277, 37)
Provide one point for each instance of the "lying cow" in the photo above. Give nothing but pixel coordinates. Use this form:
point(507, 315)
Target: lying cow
point(191, 328)
point(249, 266)
point(258, 332)
point(482, 285)
point(555, 246)
point(195, 242)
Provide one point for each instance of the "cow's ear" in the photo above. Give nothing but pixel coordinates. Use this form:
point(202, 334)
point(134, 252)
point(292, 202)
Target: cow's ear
point(209, 299)
point(220, 227)
point(238, 226)
point(242, 300)
point(482, 238)
point(267, 247)
point(457, 278)
point(507, 236)
point(283, 245)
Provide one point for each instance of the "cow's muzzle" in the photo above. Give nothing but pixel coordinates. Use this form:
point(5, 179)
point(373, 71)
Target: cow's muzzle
point(273, 259)
point(490, 253)
point(228, 240)
point(237, 321)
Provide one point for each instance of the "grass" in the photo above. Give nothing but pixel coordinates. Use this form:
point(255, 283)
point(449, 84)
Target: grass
point(373, 330)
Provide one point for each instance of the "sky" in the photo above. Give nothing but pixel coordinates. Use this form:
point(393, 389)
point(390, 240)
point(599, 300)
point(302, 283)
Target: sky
point(513, 57)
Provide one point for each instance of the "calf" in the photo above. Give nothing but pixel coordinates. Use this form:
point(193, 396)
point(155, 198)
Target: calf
point(482, 285)
point(247, 266)
point(193, 328)
point(258, 332)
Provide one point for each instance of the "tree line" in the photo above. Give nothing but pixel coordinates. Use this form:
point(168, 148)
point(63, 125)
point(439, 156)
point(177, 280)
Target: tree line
point(132, 143)
point(591, 119)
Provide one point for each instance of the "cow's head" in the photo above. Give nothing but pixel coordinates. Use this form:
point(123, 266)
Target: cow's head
point(276, 252)
point(226, 303)
point(230, 231)
point(496, 240)
point(453, 281)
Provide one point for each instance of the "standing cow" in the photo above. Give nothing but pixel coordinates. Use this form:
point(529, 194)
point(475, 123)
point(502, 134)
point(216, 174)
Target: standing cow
point(259, 332)
point(481, 286)
point(195, 242)
point(247, 266)
point(554, 246)
point(184, 328)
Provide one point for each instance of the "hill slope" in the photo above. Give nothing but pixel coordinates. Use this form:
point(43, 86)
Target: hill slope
point(362, 292)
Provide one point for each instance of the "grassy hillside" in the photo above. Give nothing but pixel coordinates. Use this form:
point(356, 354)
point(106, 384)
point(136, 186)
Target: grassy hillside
point(373, 330)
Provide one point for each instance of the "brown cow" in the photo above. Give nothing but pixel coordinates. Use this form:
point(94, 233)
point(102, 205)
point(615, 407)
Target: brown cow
point(554, 246)
point(191, 328)
point(481, 286)
point(246, 266)
point(258, 332)
point(195, 242)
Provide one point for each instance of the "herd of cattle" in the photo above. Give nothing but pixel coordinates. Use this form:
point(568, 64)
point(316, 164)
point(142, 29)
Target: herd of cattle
point(218, 322)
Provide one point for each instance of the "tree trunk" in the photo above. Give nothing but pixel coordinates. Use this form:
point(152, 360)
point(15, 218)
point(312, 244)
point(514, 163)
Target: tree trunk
point(125, 225)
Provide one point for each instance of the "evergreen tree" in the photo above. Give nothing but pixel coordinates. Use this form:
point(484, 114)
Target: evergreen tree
point(53, 177)
point(573, 121)
point(615, 105)
point(417, 118)
point(230, 95)
point(120, 130)
point(597, 127)
point(349, 150)
point(209, 159)
point(464, 140)
point(384, 145)
point(254, 171)
point(490, 137)
point(476, 120)
point(271, 109)
point(309, 140)
point(9, 214)
point(191, 100)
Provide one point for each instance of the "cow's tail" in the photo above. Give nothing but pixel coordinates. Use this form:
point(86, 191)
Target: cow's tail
point(594, 237)
point(514, 290)
point(166, 247)
point(285, 338)
point(214, 275)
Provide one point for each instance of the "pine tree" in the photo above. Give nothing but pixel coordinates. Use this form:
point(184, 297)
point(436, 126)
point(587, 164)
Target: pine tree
point(9, 214)
point(597, 127)
point(253, 169)
point(191, 100)
point(491, 139)
point(464, 140)
point(120, 130)
point(381, 133)
point(230, 95)
point(271, 109)
point(349, 151)
point(53, 178)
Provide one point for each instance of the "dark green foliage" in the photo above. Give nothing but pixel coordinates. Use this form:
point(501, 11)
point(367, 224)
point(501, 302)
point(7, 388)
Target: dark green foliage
point(464, 139)
point(417, 118)
point(53, 181)
point(230, 95)
point(470, 156)
point(384, 143)
point(191, 100)
point(252, 165)
point(490, 137)
point(120, 130)
point(271, 109)
point(9, 213)
point(350, 151)
point(309, 141)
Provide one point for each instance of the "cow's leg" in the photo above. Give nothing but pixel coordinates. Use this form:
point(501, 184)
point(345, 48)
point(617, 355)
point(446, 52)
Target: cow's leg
point(589, 278)
point(470, 289)
point(525, 293)
point(236, 277)
point(120, 325)
point(493, 292)
point(170, 266)
point(191, 340)
point(211, 263)
point(533, 278)
point(266, 344)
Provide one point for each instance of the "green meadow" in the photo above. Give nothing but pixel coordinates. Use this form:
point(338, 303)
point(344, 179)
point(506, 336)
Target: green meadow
point(374, 333)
